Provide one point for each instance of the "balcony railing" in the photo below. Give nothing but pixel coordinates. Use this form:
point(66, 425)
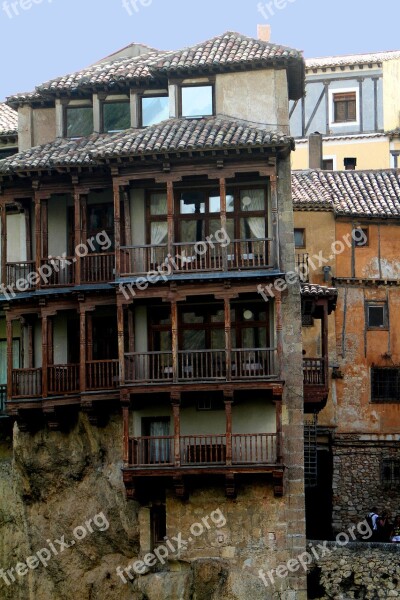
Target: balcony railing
point(302, 266)
point(98, 268)
point(61, 272)
point(201, 365)
point(63, 379)
point(199, 450)
point(102, 374)
point(20, 271)
point(189, 257)
point(26, 383)
point(315, 371)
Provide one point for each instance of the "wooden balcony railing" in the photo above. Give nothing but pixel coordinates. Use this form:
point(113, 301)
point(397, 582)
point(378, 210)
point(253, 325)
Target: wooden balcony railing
point(17, 271)
point(249, 254)
point(190, 257)
point(63, 379)
point(201, 365)
point(62, 272)
point(98, 268)
point(315, 371)
point(199, 450)
point(26, 383)
point(102, 374)
point(138, 260)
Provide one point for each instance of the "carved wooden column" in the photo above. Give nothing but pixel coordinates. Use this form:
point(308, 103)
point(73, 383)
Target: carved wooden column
point(325, 340)
point(125, 401)
point(9, 355)
point(117, 228)
point(28, 232)
point(278, 409)
point(170, 217)
point(176, 411)
point(30, 346)
point(228, 339)
point(174, 328)
point(279, 331)
point(38, 233)
point(3, 245)
point(89, 336)
point(224, 251)
point(45, 356)
point(45, 229)
point(131, 329)
point(78, 235)
point(121, 343)
point(228, 399)
point(275, 250)
point(127, 217)
point(82, 347)
point(50, 341)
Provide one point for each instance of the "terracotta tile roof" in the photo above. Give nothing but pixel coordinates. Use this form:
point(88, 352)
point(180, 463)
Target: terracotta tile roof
point(313, 289)
point(173, 135)
point(228, 52)
point(349, 193)
point(8, 120)
point(351, 59)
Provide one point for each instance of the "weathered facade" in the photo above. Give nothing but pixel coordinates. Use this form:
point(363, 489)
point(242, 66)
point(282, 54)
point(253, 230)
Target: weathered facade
point(148, 204)
point(353, 101)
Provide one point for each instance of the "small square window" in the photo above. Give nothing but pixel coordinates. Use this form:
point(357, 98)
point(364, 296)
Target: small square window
point(155, 109)
point(390, 472)
point(345, 107)
point(197, 101)
point(78, 121)
point(361, 237)
point(327, 164)
point(116, 116)
point(300, 238)
point(385, 385)
point(377, 316)
point(204, 403)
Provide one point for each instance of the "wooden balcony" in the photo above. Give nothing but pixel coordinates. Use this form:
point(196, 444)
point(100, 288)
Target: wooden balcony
point(20, 271)
point(315, 380)
point(202, 450)
point(102, 375)
point(197, 257)
point(201, 365)
point(63, 379)
point(26, 383)
point(98, 268)
point(62, 272)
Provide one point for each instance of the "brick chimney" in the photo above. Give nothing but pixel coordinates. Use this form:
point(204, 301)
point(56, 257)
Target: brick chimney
point(315, 154)
point(264, 33)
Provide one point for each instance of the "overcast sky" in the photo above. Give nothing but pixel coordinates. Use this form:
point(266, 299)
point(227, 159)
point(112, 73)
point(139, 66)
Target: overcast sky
point(50, 38)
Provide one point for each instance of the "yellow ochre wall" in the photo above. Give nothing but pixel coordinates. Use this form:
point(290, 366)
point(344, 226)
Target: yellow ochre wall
point(372, 153)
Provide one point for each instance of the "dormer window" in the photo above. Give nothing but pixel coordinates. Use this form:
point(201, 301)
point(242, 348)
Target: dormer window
point(154, 109)
point(116, 116)
point(197, 101)
point(78, 121)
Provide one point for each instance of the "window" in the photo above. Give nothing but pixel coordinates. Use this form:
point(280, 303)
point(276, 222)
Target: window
point(78, 121)
point(116, 116)
point(377, 315)
point(361, 237)
point(385, 385)
point(300, 238)
point(158, 523)
point(390, 472)
point(345, 107)
point(197, 101)
point(100, 217)
point(327, 164)
point(199, 215)
point(154, 109)
point(7, 152)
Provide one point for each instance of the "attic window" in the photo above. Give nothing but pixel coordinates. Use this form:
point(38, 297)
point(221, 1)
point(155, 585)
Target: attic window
point(197, 101)
point(116, 116)
point(154, 109)
point(78, 121)
point(345, 107)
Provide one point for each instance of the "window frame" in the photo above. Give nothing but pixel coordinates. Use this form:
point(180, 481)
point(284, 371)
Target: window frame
point(108, 101)
point(337, 92)
point(210, 83)
point(377, 304)
point(142, 97)
point(357, 242)
point(392, 464)
point(68, 107)
point(304, 238)
point(384, 400)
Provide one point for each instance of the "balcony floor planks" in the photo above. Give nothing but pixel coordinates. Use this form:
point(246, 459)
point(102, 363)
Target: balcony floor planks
point(130, 473)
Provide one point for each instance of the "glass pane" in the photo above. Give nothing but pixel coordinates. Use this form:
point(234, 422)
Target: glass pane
point(158, 204)
point(299, 238)
point(192, 203)
point(217, 339)
point(230, 203)
point(165, 341)
point(215, 204)
point(215, 225)
point(252, 228)
point(79, 121)
point(154, 110)
point(159, 233)
point(197, 101)
point(252, 200)
point(116, 116)
point(192, 317)
point(194, 340)
point(219, 317)
point(192, 231)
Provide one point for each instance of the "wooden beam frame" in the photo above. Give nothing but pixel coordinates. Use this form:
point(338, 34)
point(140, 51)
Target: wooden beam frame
point(4, 244)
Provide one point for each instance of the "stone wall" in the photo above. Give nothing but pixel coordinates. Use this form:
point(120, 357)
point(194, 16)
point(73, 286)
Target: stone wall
point(359, 570)
point(357, 483)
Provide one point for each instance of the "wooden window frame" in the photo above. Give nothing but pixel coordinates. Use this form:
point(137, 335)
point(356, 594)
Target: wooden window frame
point(210, 83)
point(377, 304)
point(66, 108)
point(108, 101)
point(140, 106)
point(347, 98)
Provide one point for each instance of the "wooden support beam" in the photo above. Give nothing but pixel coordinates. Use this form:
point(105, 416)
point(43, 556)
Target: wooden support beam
point(278, 409)
point(30, 346)
point(228, 339)
point(45, 229)
point(45, 356)
point(325, 340)
point(176, 411)
point(170, 217)
point(3, 245)
point(125, 401)
point(82, 346)
point(275, 258)
point(174, 327)
point(117, 228)
point(279, 331)
point(9, 356)
point(228, 413)
point(121, 343)
point(127, 218)
point(38, 234)
point(131, 329)
point(222, 187)
point(28, 233)
point(50, 341)
point(78, 235)
point(89, 336)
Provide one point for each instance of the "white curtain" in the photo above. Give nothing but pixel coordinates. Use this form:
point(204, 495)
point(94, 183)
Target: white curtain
point(159, 449)
point(159, 229)
point(256, 224)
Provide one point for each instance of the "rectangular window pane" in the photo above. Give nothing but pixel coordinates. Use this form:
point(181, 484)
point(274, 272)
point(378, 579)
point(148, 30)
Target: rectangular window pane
point(299, 238)
point(192, 203)
point(252, 200)
point(79, 121)
point(214, 204)
point(252, 228)
point(154, 110)
point(385, 385)
point(197, 101)
point(158, 204)
point(376, 316)
point(192, 231)
point(116, 116)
